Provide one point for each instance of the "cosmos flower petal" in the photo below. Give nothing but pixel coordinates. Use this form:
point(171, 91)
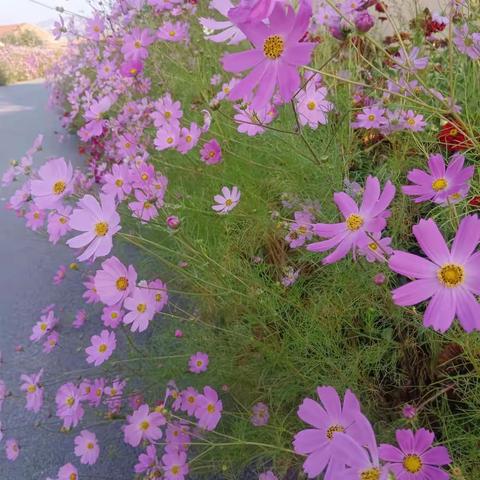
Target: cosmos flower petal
point(432, 242)
point(240, 61)
point(313, 413)
point(389, 453)
point(316, 462)
point(345, 203)
point(466, 240)
point(412, 265)
point(309, 440)
point(415, 292)
point(468, 310)
point(440, 311)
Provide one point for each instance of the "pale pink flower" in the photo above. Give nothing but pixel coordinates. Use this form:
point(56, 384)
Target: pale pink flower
point(102, 347)
point(33, 390)
point(141, 306)
point(86, 447)
point(12, 449)
point(143, 425)
point(227, 201)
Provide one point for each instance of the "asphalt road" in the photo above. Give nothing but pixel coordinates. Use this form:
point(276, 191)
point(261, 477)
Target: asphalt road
point(27, 265)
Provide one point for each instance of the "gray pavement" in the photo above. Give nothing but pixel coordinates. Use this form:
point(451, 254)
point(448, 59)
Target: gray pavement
point(27, 265)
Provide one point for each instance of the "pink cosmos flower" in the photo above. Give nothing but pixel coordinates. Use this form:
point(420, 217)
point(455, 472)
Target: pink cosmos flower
point(136, 42)
point(148, 462)
point(189, 400)
point(114, 395)
point(467, 42)
point(86, 447)
point(375, 248)
point(33, 390)
point(51, 342)
point(449, 277)
point(57, 223)
point(410, 61)
point(312, 106)
point(174, 32)
point(117, 182)
point(413, 122)
point(441, 185)
point(228, 31)
point(188, 138)
point(90, 295)
point(94, 397)
point(159, 291)
point(114, 282)
point(168, 112)
point(80, 318)
point(12, 449)
point(248, 11)
point(35, 218)
point(276, 56)
point(211, 152)
point(167, 137)
point(69, 408)
point(227, 201)
point(209, 409)
point(198, 363)
point(102, 347)
point(144, 207)
point(54, 183)
point(59, 275)
point(370, 117)
point(260, 414)
point(43, 326)
point(112, 316)
point(175, 466)
point(359, 222)
point(300, 229)
point(131, 68)
point(98, 221)
point(68, 472)
point(416, 458)
point(95, 27)
point(143, 425)
point(409, 411)
point(142, 307)
point(251, 122)
point(327, 418)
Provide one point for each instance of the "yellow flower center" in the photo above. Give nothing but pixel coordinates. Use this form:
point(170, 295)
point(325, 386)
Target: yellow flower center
point(73, 476)
point(226, 90)
point(373, 246)
point(228, 202)
point(371, 117)
point(199, 363)
point(43, 327)
point(59, 187)
point(36, 215)
point(273, 47)
point(191, 399)
point(411, 121)
point(144, 177)
point(147, 205)
point(90, 445)
point(311, 105)
point(144, 425)
point(122, 283)
point(98, 392)
point(211, 408)
point(354, 222)
point(412, 463)
point(102, 348)
point(370, 474)
point(141, 307)
point(70, 401)
point(439, 184)
point(32, 388)
point(332, 429)
point(101, 229)
point(451, 275)
point(453, 132)
point(62, 220)
point(169, 140)
point(211, 154)
point(175, 469)
point(172, 33)
point(114, 315)
point(188, 138)
point(128, 145)
point(158, 297)
point(167, 115)
point(138, 44)
point(133, 71)
point(113, 391)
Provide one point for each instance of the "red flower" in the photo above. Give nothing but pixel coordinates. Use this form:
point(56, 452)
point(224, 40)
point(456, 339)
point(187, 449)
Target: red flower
point(475, 201)
point(451, 135)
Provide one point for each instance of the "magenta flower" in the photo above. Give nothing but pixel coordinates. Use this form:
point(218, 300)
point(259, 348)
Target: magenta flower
point(33, 390)
point(57, 223)
point(112, 316)
point(175, 466)
point(227, 201)
point(189, 400)
point(117, 182)
point(142, 307)
point(51, 342)
point(370, 117)
point(441, 185)
point(359, 222)
point(69, 408)
point(68, 472)
point(143, 425)
point(409, 411)
point(211, 152)
point(12, 449)
point(99, 222)
point(416, 458)
point(198, 363)
point(102, 347)
point(327, 418)
point(35, 217)
point(86, 447)
point(159, 291)
point(209, 409)
point(260, 414)
point(114, 282)
point(46, 323)
point(131, 68)
point(136, 42)
point(144, 207)
point(148, 461)
point(54, 183)
point(277, 54)
point(449, 277)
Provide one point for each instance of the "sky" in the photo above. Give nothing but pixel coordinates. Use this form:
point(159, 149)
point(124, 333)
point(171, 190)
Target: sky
point(24, 11)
